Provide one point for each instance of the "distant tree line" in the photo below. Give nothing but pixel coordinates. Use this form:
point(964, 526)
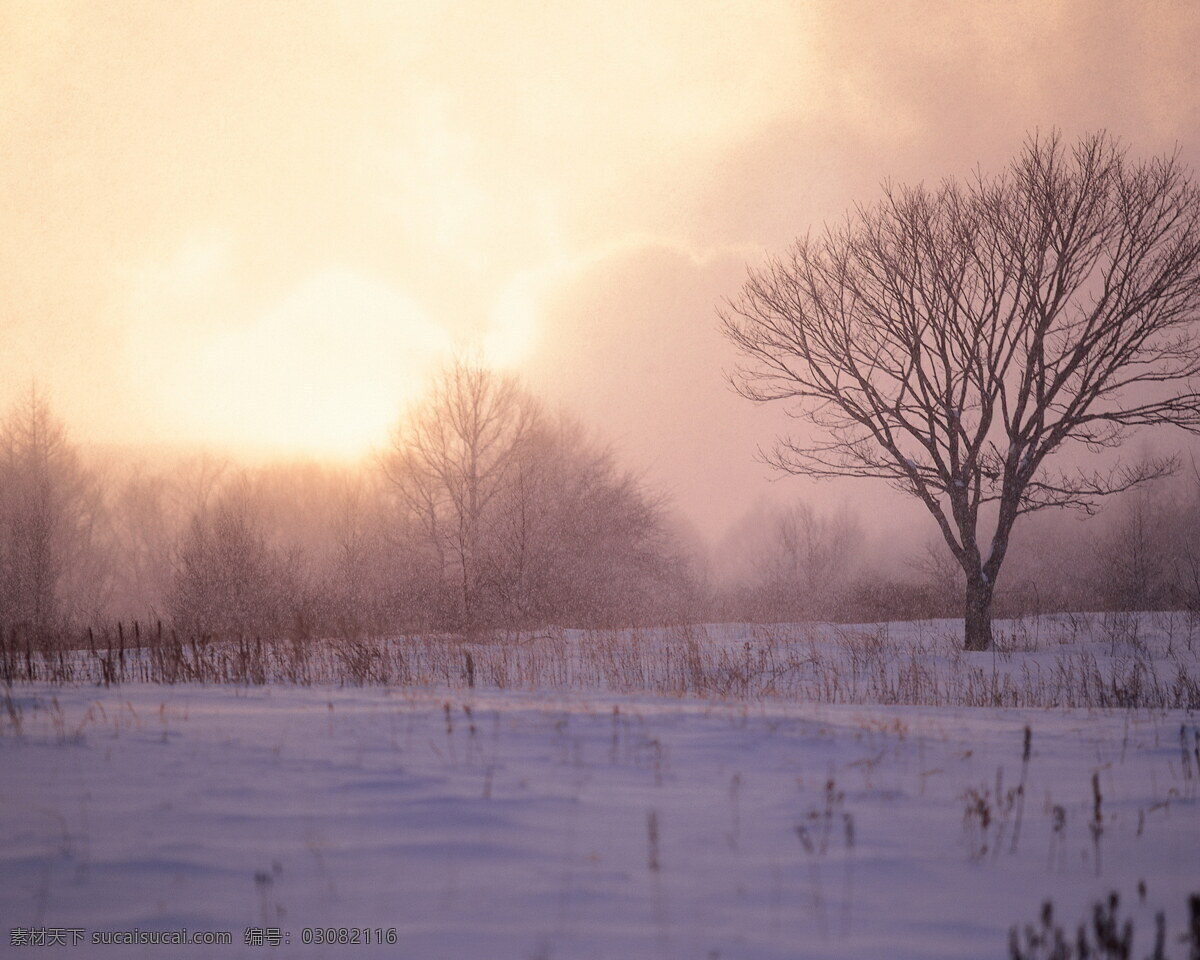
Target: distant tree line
point(486, 513)
point(790, 563)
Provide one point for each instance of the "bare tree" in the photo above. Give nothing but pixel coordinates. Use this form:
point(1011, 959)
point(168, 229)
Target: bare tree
point(230, 581)
point(791, 562)
point(450, 459)
point(1133, 561)
point(50, 506)
point(582, 540)
point(520, 516)
point(143, 532)
point(952, 341)
point(151, 509)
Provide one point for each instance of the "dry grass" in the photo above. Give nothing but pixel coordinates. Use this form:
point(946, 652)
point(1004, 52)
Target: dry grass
point(1109, 661)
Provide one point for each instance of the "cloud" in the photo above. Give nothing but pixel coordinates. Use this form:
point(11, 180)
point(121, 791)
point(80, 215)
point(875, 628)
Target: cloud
point(628, 338)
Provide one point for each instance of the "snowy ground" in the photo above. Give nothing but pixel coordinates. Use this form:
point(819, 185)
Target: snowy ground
point(577, 824)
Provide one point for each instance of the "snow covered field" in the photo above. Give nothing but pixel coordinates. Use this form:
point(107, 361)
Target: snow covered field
point(583, 822)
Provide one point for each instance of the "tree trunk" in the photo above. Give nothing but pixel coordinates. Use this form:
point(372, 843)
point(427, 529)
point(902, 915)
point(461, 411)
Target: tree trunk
point(978, 634)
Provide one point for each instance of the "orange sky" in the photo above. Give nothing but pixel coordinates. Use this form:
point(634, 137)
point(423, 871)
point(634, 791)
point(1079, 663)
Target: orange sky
point(262, 224)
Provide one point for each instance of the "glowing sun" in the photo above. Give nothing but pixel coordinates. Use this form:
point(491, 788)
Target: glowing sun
point(325, 372)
